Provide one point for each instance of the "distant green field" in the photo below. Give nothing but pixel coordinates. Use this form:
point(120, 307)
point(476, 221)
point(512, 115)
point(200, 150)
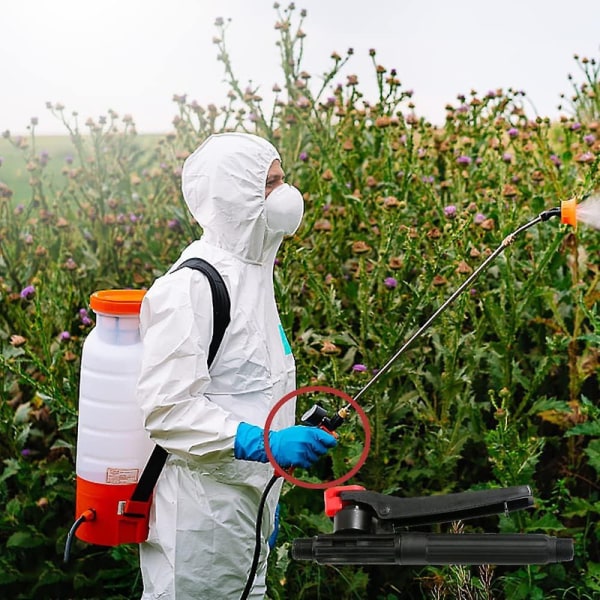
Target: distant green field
point(13, 171)
point(13, 168)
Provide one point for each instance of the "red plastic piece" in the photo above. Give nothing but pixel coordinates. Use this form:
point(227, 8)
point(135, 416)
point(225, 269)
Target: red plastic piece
point(108, 527)
point(333, 502)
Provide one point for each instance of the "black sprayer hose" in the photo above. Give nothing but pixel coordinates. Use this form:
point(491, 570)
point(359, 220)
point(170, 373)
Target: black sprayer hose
point(88, 515)
point(258, 538)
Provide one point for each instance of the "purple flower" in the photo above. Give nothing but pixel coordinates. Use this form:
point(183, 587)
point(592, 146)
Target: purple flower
point(390, 283)
point(588, 139)
point(450, 211)
point(174, 224)
point(63, 336)
point(27, 292)
point(479, 218)
point(428, 179)
point(576, 126)
point(464, 160)
point(359, 368)
point(303, 156)
point(25, 452)
point(303, 102)
point(83, 317)
point(507, 157)
point(557, 162)
point(69, 159)
point(513, 132)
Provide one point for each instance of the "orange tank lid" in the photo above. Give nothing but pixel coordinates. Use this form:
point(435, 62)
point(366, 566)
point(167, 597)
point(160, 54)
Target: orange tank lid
point(117, 302)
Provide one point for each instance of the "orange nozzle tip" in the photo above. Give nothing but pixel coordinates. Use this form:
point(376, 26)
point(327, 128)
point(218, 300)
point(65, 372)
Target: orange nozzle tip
point(568, 212)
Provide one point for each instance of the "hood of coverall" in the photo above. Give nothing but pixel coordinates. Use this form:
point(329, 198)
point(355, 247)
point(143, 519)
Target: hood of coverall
point(223, 185)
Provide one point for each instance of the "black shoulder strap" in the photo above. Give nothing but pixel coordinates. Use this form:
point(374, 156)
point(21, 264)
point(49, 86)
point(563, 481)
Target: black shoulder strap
point(221, 318)
point(221, 303)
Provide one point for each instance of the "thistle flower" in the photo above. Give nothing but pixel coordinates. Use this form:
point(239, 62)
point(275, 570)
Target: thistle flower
point(27, 292)
point(303, 156)
point(329, 348)
point(585, 157)
point(84, 317)
point(359, 368)
point(464, 160)
point(303, 102)
point(360, 247)
point(390, 283)
point(588, 139)
point(450, 211)
point(64, 336)
point(70, 264)
point(17, 340)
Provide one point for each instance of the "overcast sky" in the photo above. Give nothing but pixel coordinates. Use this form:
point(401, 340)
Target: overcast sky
point(133, 55)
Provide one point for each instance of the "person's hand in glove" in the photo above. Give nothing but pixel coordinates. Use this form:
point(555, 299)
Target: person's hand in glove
point(296, 446)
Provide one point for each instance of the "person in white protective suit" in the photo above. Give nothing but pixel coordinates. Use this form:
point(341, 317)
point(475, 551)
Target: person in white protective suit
point(202, 521)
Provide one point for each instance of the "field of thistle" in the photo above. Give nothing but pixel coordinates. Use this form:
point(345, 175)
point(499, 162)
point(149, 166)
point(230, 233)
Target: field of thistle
point(502, 390)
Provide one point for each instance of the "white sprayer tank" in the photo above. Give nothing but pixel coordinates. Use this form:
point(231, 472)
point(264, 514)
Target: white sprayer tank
point(112, 445)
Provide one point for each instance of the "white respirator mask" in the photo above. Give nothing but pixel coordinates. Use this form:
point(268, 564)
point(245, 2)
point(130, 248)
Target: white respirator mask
point(284, 208)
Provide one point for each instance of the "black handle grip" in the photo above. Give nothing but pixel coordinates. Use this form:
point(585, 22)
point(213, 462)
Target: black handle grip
point(434, 549)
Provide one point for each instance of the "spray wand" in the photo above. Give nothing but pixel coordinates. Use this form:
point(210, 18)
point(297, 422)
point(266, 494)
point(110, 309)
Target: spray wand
point(317, 416)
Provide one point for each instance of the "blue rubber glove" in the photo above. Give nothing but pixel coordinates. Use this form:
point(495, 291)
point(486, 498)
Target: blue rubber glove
point(273, 536)
point(296, 446)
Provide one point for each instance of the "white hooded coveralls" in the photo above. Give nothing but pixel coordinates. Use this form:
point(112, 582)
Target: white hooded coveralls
point(205, 505)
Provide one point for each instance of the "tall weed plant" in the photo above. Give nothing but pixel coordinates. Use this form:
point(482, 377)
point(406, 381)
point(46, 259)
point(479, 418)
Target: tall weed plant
point(501, 390)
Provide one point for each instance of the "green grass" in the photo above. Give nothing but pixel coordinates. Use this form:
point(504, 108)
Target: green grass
point(13, 171)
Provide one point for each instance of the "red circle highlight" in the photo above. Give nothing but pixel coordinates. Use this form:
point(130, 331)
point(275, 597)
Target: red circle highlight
point(325, 390)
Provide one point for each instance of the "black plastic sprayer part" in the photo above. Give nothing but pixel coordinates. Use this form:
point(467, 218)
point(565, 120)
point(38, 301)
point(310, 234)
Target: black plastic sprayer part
point(317, 416)
point(547, 214)
point(418, 548)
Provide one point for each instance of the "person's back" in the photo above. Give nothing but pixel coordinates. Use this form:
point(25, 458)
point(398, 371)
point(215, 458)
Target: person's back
point(205, 506)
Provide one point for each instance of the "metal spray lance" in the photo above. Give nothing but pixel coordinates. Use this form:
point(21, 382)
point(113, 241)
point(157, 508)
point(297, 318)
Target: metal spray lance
point(317, 416)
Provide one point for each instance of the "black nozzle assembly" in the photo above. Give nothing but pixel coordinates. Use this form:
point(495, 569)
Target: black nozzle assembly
point(552, 212)
point(317, 416)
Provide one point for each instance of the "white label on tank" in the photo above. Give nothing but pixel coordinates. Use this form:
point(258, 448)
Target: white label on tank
point(121, 476)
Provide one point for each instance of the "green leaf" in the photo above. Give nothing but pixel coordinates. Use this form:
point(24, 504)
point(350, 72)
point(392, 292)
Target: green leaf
point(593, 452)
point(25, 539)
